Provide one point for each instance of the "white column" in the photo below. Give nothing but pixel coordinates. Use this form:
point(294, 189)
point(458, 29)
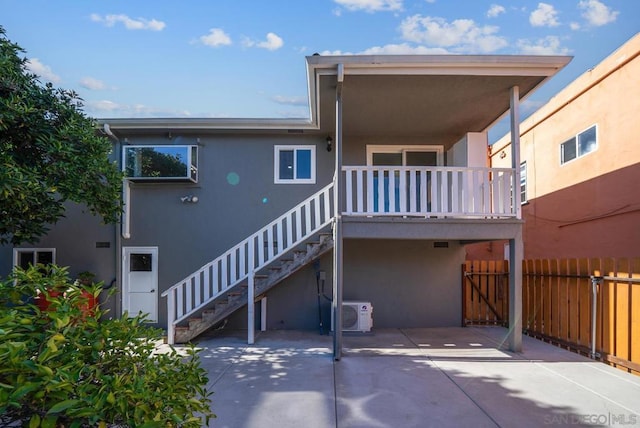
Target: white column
point(251, 291)
point(251, 315)
point(263, 314)
point(516, 248)
point(515, 147)
point(337, 228)
point(171, 316)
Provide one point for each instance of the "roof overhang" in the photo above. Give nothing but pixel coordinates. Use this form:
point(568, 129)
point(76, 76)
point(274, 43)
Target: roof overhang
point(431, 96)
point(437, 98)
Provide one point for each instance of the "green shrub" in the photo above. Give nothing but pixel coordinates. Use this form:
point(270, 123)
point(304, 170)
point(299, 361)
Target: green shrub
point(69, 366)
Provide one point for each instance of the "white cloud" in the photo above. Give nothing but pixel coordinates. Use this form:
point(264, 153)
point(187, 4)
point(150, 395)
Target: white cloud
point(544, 16)
point(461, 35)
point(216, 37)
point(495, 10)
point(549, 45)
point(92, 84)
point(403, 49)
point(106, 108)
point(574, 26)
point(292, 101)
point(129, 23)
point(371, 5)
point(272, 43)
point(597, 13)
point(393, 49)
point(36, 67)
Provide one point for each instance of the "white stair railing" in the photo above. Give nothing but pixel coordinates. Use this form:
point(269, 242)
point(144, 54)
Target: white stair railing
point(430, 191)
point(217, 277)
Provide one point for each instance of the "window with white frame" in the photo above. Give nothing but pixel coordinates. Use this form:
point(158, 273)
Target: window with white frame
point(523, 182)
point(24, 257)
point(295, 164)
point(161, 163)
point(583, 143)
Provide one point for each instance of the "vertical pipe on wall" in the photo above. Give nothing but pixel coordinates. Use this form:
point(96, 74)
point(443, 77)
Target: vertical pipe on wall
point(117, 150)
point(337, 227)
point(126, 215)
point(516, 249)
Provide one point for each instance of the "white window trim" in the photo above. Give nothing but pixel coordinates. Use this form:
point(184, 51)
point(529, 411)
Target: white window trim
point(17, 251)
point(192, 164)
point(372, 148)
point(276, 165)
point(578, 156)
point(526, 183)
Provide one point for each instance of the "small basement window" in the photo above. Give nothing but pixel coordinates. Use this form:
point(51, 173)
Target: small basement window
point(24, 257)
point(295, 164)
point(161, 163)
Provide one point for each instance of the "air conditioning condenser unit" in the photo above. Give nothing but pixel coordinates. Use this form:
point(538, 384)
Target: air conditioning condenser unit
point(357, 316)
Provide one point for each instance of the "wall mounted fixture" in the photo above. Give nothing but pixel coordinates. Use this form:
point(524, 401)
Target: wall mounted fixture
point(503, 155)
point(189, 199)
point(329, 142)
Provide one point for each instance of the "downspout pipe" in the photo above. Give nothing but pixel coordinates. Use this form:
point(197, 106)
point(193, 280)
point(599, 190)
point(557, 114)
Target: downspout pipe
point(106, 129)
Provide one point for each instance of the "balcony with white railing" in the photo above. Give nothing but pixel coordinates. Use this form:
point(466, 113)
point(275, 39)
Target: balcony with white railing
point(451, 192)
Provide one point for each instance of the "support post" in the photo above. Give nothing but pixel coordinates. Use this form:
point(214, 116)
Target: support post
point(171, 311)
point(337, 226)
point(263, 314)
point(251, 314)
point(515, 294)
point(595, 281)
point(515, 147)
point(516, 249)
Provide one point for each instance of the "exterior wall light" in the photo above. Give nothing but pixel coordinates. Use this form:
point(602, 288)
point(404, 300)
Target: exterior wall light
point(329, 142)
point(189, 199)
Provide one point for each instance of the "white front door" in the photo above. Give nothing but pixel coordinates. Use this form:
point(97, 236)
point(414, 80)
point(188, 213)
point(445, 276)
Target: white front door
point(140, 281)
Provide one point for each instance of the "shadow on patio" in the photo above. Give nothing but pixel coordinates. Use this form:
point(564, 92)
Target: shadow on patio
point(411, 378)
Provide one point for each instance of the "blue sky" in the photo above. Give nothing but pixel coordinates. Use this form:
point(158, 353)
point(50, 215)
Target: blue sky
point(241, 58)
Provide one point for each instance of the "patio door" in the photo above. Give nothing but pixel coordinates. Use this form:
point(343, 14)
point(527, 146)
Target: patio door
point(401, 156)
point(140, 281)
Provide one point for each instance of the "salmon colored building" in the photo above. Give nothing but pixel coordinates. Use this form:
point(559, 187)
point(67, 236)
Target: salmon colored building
point(580, 167)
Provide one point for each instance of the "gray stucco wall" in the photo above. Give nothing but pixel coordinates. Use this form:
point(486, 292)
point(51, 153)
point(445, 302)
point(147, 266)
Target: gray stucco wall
point(409, 283)
point(236, 193)
point(74, 238)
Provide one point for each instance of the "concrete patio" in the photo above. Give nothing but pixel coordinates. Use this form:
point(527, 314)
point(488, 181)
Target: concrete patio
point(436, 377)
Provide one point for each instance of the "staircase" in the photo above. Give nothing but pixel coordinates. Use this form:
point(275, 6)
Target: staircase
point(219, 288)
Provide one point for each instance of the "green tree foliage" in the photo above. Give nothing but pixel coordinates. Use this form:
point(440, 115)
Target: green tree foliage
point(49, 153)
point(62, 367)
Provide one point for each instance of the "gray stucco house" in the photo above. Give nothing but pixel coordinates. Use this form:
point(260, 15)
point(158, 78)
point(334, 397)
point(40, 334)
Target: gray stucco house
point(277, 223)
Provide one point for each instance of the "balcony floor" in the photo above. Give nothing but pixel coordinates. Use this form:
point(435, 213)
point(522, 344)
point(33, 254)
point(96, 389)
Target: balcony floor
point(441, 377)
point(462, 229)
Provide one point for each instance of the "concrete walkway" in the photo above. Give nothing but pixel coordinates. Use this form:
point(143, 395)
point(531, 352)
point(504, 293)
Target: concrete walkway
point(438, 377)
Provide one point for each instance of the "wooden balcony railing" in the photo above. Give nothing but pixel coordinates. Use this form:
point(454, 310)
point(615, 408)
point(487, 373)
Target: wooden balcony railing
point(430, 191)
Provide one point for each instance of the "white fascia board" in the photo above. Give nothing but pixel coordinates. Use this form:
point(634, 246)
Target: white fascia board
point(207, 124)
point(500, 65)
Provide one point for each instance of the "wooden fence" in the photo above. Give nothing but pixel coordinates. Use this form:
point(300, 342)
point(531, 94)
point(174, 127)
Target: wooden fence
point(588, 305)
